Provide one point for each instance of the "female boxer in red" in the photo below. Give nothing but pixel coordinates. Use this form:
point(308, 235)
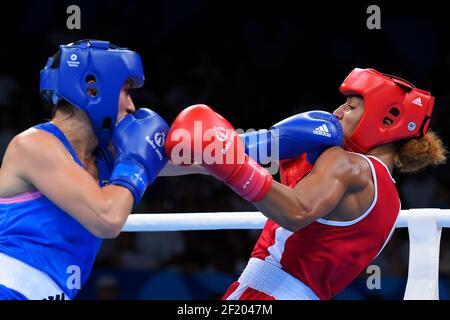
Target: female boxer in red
point(332, 213)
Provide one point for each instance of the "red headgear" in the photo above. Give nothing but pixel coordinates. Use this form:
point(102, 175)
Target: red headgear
point(393, 109)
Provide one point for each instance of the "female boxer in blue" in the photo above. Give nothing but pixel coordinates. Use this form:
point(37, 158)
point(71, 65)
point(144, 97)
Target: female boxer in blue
point(61, 192)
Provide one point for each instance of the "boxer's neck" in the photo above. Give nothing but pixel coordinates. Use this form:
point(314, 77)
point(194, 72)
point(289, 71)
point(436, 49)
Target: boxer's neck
point(78, 130)
point(385, 153)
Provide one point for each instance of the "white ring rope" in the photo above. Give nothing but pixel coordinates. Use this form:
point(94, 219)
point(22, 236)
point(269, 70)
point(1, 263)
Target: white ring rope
point(424, 228)
point(233, 220)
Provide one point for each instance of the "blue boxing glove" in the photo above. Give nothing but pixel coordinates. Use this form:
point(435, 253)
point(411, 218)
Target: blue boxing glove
point(293, 136)
point(139, 143)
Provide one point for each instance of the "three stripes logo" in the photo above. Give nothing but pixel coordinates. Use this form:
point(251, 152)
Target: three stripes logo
point(417, 101)
point(56, 297)
point(322, 131)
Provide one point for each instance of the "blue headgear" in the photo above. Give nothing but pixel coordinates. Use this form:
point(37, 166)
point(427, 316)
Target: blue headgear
point(90, 76)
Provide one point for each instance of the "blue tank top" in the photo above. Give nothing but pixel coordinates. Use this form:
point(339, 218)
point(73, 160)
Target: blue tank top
point(37, 232)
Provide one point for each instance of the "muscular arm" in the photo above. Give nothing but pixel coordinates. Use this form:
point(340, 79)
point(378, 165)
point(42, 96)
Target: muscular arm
point(314, 196)
point(42, 161)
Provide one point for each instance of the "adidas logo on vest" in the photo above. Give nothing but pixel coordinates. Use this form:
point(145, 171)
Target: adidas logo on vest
point(322, 131)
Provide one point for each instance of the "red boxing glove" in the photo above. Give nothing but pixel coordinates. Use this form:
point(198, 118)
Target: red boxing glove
point(200, 135)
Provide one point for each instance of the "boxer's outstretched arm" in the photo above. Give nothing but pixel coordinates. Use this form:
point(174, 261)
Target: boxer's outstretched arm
point(317, 194)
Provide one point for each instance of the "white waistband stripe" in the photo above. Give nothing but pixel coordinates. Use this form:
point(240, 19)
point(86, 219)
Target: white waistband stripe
point(32, 283)
point(265, 277)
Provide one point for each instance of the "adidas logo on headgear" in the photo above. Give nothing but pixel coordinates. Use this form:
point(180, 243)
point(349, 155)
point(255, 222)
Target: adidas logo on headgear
point(323, 131)
point(417, 101)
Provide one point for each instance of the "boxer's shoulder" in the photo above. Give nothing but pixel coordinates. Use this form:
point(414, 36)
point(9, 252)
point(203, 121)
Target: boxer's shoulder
point(35, 144)
point(28, 152)
point(346, 166)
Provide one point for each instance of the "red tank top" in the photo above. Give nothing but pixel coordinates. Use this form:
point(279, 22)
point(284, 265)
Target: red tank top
point(327, 255)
